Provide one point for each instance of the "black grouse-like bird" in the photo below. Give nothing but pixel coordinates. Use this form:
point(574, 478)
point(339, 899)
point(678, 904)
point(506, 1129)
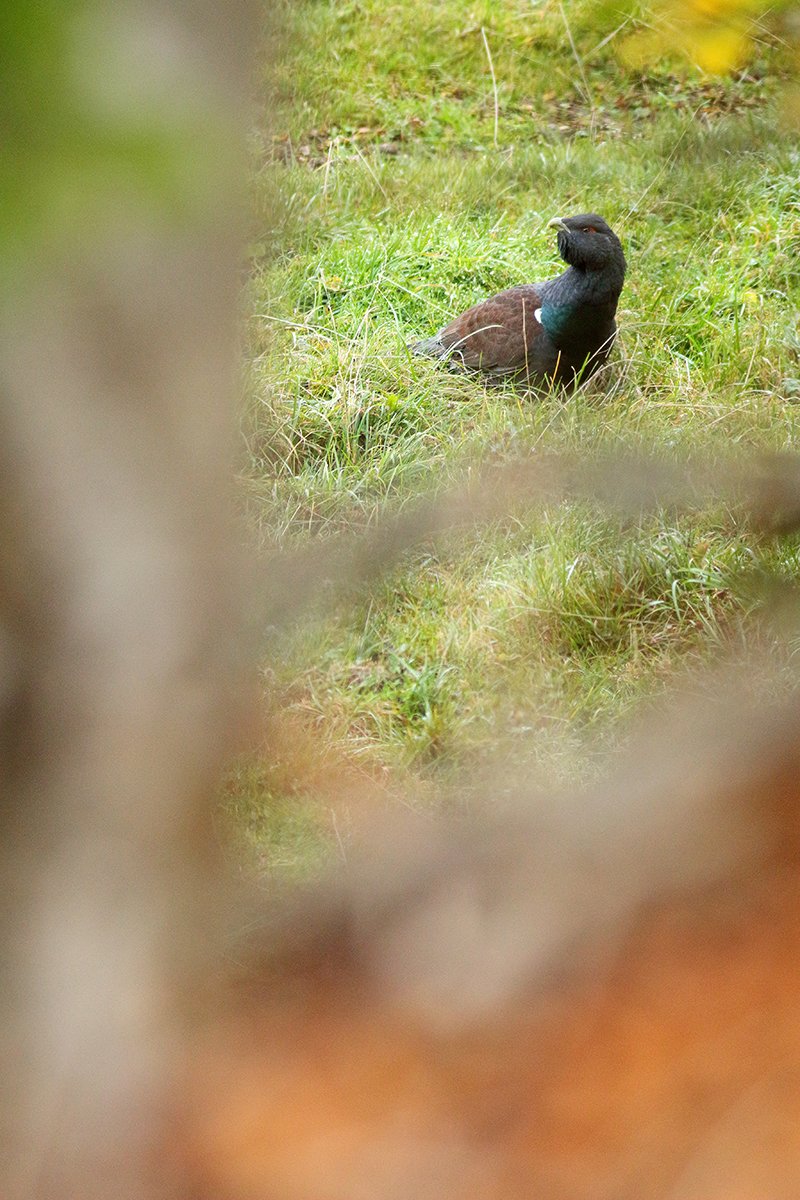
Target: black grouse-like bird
point(538, 334)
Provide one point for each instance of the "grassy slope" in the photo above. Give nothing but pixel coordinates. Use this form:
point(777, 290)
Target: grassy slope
point(407, 188)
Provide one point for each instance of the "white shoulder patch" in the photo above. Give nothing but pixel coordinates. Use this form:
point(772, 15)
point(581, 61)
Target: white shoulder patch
point(538, 315)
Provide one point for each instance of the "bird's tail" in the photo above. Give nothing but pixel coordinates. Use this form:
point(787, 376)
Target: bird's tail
point(431, 347)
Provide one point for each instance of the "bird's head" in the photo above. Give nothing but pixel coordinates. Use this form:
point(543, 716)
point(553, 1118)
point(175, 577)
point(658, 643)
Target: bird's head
point(588, 242)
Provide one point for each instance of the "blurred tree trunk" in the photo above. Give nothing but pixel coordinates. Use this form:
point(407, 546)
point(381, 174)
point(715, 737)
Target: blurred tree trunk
point(119, 593)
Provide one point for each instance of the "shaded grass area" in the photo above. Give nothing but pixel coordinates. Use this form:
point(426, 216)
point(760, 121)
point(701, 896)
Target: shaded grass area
point(528, 638)
point(460, 76)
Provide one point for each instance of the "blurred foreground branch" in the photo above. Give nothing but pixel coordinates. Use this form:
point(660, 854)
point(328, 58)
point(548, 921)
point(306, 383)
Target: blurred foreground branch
point(765, 492)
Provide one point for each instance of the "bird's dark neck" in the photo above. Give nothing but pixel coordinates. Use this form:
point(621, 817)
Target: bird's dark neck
point(581, 302)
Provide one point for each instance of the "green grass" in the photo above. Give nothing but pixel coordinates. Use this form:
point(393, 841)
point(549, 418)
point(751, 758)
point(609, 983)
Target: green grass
point(386, 198)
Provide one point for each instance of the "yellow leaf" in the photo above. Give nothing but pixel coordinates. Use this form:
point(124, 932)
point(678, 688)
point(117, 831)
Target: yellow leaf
point(719, 49)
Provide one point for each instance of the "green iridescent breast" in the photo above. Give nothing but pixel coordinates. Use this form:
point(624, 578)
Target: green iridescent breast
point(555, 319)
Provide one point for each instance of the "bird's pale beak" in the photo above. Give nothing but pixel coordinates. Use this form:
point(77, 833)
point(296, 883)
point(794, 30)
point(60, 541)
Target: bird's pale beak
point(557, 223)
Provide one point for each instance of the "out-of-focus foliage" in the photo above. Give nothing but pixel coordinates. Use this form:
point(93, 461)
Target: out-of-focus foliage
point(105, 117)
point(718, 35)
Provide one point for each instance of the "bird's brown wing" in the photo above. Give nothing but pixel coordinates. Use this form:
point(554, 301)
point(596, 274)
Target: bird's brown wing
point(499, 334)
